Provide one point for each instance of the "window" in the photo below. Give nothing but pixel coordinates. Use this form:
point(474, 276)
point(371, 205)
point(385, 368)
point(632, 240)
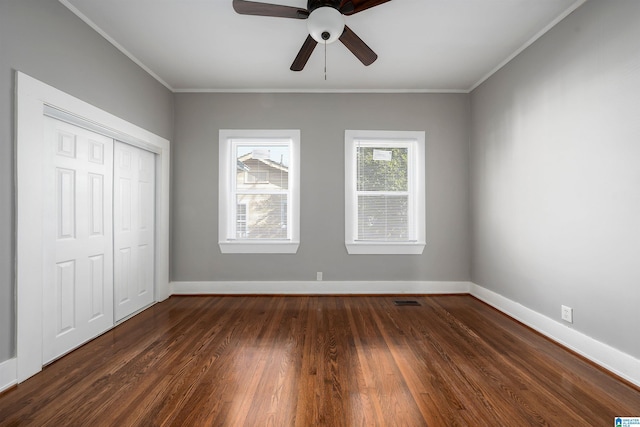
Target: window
point(259, 194)
point(384, 192)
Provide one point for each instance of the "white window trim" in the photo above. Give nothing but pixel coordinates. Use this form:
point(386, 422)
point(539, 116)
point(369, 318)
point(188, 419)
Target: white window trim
point(417, 157)
point(226, 206)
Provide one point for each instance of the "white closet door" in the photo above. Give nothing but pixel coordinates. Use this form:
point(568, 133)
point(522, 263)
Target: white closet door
point(134, 229)
point(78, 258)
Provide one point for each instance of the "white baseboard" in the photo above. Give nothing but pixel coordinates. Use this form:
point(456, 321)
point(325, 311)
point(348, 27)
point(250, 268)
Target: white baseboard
point(8, 374)
point(318, 288)
point(616, 361)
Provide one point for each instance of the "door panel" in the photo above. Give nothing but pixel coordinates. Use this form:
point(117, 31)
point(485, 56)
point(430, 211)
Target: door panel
point(97, 286)
point(66, 198)
point(65, 290)
point(78, 282)
point(134, 228)
point(96, 204)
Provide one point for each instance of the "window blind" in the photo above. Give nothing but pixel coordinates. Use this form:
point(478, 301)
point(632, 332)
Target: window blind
point(382, 190)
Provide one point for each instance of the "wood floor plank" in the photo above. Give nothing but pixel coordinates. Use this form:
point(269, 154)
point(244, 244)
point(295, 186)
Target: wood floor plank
point(319, 360)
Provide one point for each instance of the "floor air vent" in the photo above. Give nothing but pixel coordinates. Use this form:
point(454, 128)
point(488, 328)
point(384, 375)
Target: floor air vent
point(403, 302)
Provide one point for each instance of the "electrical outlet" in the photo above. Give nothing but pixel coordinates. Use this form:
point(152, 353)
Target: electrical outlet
point(567, 314)
point(319, 275)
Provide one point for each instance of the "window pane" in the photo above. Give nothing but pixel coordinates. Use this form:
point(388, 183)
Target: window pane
point(382, 169)
point(262, 167)
point(241, 221)
point(263, 216)
point(383, 218)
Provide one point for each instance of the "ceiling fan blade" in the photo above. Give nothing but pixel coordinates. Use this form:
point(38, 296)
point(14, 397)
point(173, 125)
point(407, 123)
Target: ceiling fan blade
point(303, 56)
point(349, 7)
point(358, 47)
point(266, 9)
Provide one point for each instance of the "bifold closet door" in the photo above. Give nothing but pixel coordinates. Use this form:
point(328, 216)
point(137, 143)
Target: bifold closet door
point(134, 229)
point(78, 255)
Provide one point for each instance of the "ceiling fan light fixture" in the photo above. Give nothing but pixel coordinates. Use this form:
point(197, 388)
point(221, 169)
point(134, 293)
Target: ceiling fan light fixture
point(325, 24)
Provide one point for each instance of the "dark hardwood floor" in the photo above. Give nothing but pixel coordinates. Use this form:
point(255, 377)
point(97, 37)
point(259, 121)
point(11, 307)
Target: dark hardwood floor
point(307, 361)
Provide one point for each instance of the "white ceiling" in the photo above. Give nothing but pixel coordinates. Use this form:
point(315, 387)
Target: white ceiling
point(422, 45)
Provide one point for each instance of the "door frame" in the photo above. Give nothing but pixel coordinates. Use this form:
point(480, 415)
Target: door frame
point(33, 98)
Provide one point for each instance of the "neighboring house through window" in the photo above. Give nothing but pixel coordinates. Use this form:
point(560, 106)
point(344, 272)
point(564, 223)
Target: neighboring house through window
point(259, 191)
point(384, 192)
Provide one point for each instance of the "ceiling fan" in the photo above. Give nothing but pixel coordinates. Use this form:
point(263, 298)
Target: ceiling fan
point(325, 21)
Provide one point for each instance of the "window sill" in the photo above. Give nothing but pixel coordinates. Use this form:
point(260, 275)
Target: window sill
point(268, 247)
point(371, 248)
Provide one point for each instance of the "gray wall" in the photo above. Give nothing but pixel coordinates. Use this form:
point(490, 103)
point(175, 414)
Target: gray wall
point(555, 174)
point(322, 119)
point(43, 39)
